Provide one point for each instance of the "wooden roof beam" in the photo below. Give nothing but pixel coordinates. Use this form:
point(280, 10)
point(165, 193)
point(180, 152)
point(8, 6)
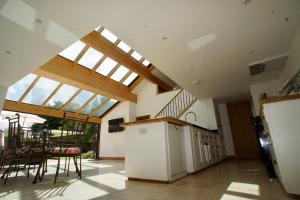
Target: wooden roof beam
point(95, 40)
point(65, 71)
point(38, 110)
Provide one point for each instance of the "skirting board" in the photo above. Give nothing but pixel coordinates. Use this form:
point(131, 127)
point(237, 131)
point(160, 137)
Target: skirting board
point(148, 180)
point(111, 158)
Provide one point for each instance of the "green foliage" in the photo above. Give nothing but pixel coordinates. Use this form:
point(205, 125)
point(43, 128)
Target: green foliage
point(88, 155)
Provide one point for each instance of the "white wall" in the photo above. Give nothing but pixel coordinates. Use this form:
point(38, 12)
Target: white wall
point(148, 101)
point(270, 88)
point(113, 144)
point(205, 114)
point(293, 63)
point(226, 130)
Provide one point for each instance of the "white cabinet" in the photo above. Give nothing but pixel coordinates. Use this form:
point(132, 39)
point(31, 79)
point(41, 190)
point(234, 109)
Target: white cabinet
point(155, 151)
point(283, 121)
point(202, 148)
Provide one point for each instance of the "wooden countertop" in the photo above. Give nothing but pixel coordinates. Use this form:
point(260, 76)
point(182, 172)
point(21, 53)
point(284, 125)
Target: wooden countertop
point(279, 98)
point(171, 120)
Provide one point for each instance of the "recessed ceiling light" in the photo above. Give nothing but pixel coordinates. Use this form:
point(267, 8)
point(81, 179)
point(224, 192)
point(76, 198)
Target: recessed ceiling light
point(164, 38)
point(192, 69)
point(196, 82)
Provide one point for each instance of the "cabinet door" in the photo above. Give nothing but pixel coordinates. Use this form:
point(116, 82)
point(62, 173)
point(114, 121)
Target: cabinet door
point(176, 155)
point(196, 148)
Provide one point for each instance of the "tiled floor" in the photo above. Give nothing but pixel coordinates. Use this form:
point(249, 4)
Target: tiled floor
point(229, 180)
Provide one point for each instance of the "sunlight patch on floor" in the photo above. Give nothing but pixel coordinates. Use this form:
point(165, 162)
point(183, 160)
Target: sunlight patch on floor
point(246, 188)
point(234, 197)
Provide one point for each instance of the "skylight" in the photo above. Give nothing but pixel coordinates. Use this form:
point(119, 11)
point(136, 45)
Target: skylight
point(130, 79)
point(123, 46)
point(93, 105)
point(16, 91)
point(107, 65)
point(73, 51)
point(109, 35)
point(62, 96)
point(136, 56)
point(146, 63)
point(79, 100)
point(120, 73)
point(106, 107)
point(41, 91)
point(90, 58)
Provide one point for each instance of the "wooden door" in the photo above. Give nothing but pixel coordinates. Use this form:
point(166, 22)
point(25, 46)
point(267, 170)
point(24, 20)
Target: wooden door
point(244, 139)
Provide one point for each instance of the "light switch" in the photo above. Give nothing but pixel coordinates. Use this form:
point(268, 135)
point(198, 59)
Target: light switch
point(143, 131)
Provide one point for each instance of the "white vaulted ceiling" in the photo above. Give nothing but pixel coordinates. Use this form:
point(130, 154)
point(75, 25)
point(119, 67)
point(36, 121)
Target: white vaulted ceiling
point(208, 42)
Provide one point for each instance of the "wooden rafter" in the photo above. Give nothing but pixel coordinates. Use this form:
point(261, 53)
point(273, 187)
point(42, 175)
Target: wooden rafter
point(113, 70)
point(38, 110)
point(70, 100)
point(140, 78)
point(83, 51)
point(65, 71)
point(52, 94)
point(99, 63)
point(95, 40)
point(29, 89)
point(86, 103)
point(99, 107)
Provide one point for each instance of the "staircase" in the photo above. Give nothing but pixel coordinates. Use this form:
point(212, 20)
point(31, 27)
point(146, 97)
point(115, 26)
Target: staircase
point(178, 105)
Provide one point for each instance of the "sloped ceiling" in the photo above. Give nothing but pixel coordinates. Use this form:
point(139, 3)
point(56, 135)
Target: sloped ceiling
point(207, 42)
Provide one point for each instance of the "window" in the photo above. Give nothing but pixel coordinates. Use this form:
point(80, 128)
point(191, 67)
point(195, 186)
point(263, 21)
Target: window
point(41, 91)
point(130, 79)
point(146, 63)
point(79, 100)
point(90, 58)
point(106, 67)
point(87, 110)
point(123, 46)
point(62, 96)
point(106, 107)
point(72, 51)
point(109, 35)
point(120, 73)
point(136, 56)
point(16, 91)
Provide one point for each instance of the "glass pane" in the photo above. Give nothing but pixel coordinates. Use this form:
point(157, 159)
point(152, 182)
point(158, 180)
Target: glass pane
point(136, 55)
point(122, 45)
point(16, 91)
point(120, 73)
point(79, 100)
point(146, 63)
point(62, 96)
point(93, 105)
point(73, 51)
point(106, 107)
point(106, 67)
point(130, 78)
point(90, 58)
point(41, 91)
point(109, 35)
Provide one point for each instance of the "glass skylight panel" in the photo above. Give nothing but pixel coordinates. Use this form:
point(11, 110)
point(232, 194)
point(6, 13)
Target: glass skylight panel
point(109, 35)
point(79, 100)
point(120, 73)
point(90, 58)
point(146, 63)
point(16, 91)
point(107, 65)
point(106, 107)
point(130, 78)
point(73, 51)
point(93, 105)
point(41, 91)
point(62, 96)
point(136, 56)
point(123, 46)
